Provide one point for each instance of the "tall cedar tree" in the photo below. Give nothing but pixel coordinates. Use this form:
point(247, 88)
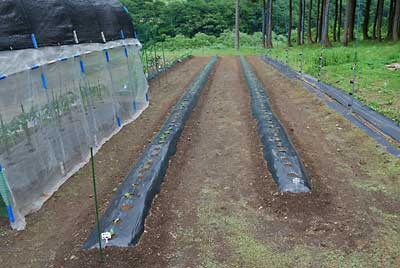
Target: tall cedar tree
point(335, 21)
point(392, 7)
point(269, 23)
point(340, 20)
point(309, 37)
point(325, 30)
point(366, 19)
point(317, 22)
point(380, 18)
point(289, 41)
point(396, 21)
point(264, 44)
point(237, 23)
point(348, 18)
point(377, 30)
point(352, 21)
point(299, 23)
point(321, 21)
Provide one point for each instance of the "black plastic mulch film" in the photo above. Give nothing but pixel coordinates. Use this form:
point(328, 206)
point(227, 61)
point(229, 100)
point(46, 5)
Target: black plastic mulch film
point(126, 213)
point(380, 123)
point(282, 159)
point(53, 22)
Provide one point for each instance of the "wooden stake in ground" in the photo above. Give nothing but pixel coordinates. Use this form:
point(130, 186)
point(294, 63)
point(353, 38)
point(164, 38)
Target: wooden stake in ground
point(237, 28)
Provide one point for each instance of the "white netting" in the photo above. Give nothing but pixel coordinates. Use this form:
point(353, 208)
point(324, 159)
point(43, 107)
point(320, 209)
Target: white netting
point(51, 115)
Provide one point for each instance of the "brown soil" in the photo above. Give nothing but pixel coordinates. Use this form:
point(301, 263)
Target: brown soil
point(65, 220)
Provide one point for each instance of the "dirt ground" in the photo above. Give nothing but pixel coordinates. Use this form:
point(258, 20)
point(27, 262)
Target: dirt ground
point(219, 206)
point(65, 220)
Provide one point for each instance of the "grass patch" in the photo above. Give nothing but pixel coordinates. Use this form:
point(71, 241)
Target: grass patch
point(376, 86)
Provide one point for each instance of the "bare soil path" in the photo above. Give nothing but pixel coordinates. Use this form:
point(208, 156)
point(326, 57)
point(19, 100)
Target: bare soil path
point(63, 222)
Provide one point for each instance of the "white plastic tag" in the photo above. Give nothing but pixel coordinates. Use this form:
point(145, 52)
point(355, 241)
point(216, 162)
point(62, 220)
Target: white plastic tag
point(106, 236)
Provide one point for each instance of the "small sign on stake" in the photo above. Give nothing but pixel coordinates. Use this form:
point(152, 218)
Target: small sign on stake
point(106, 236)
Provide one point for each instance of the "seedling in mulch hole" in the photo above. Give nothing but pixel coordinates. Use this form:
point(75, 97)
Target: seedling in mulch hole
point(126, 207)
point(128, 195)
point(117, 221)
point(154, 155)
point(112, 233)
point(284, 159)
point(140, 177)
point(292, 174)
point(288, 164)
point(157, 148)
point(135, 185)
point(149, 163)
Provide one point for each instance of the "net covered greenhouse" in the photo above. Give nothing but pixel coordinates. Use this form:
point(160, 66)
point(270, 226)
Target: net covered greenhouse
point(70, 78)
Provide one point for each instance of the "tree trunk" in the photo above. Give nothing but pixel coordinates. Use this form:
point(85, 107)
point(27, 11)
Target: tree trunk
point(335, 21)
point(396, 21)
point(325, 33)
point(349, 4)
point(352, 21)
point(299, 22)
point(289, 41)
point(374, 30)
point(309, 37)
point(237, 23)
point(264, 44)
point(303, 17)
point(390, 20)
point(321, 21)
point(379, 22)
point(366, 19)
point(340, 20)
point(317, 21)
point(269, 24)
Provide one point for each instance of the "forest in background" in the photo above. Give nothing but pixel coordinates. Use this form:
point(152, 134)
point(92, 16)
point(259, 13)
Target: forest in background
point(205, 27)
point(379, 19)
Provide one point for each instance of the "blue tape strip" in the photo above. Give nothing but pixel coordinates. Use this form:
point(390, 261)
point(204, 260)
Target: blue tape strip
point(1, 168)
point(126, 52)
point(134, 106)
point(34, 42)
point(134, 34)
point(107, 56)
point(44, 80)
point(3, 76)
point(147, 97)
point(64, 59)
point(35, 67)
point(119, 121)
point(125, 9)
point(122, 34)
point(82, 66)
point(10, 214)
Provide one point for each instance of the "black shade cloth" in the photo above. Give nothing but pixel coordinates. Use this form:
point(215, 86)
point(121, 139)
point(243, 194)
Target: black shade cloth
point(53, 22)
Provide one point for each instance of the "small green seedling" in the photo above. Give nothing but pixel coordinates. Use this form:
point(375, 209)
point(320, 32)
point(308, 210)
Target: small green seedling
point(128, 195)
